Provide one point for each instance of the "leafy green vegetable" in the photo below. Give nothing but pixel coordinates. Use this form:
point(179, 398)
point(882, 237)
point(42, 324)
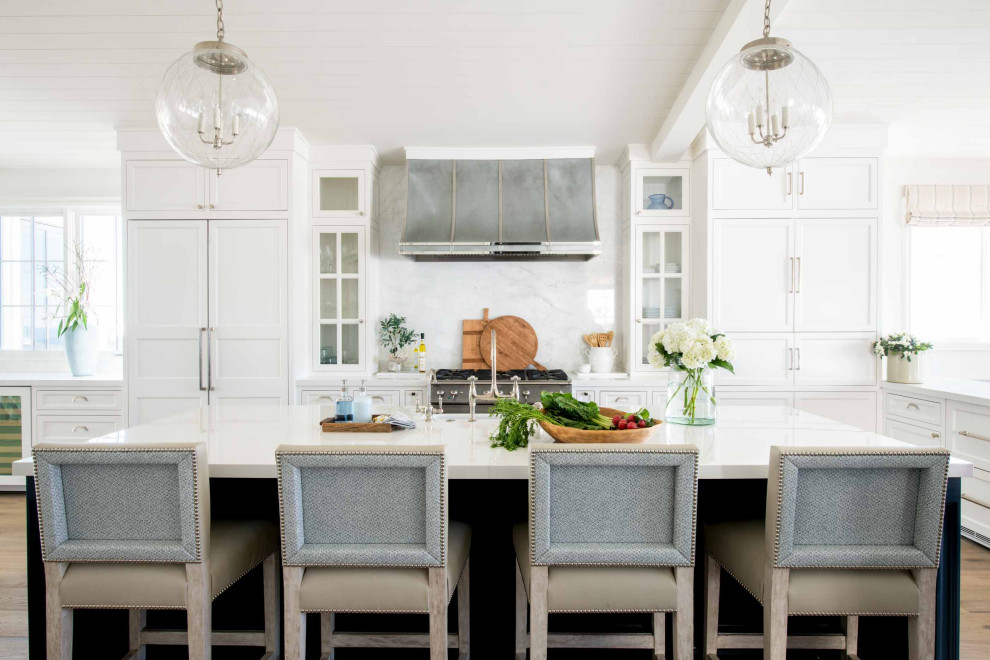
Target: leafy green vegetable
point(519, 420)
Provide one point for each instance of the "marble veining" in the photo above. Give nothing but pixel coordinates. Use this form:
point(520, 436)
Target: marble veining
point(561, 300)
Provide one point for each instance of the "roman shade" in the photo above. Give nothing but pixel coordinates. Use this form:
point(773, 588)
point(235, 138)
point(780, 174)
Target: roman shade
point(947, 206)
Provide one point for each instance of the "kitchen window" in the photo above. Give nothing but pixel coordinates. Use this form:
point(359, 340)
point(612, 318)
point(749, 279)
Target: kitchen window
point(948, 272)
point(31, 241)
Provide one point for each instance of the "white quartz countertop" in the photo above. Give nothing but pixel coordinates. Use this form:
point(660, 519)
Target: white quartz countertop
point(241, 441)
point(959, 389)
point(28, 379)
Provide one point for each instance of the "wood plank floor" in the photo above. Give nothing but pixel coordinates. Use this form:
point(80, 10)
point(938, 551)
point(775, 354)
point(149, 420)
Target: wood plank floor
point(13, 588)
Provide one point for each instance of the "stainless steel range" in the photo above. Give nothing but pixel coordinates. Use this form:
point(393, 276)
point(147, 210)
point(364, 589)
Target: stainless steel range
point(450, 388)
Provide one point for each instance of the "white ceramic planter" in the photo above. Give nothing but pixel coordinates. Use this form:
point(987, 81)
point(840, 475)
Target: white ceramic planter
point(900, 370)
point(82, 348)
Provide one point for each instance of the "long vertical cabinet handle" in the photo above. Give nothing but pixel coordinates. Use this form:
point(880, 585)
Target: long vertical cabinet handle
point(797, 286)
point(202, 388)
point(789, 173)
point(790, 359)
point(798, 352)
point(801, 183)
point(209, 358)
point(793, 276)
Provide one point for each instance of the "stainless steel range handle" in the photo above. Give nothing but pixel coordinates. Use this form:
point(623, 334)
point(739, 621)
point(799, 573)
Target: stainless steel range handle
point(974, 436)
point(202, 388)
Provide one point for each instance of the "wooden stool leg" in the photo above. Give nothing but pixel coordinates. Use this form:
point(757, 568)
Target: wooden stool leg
point(438, 613)
point(921, 628)
point(538, 583)
point(464, 613)
point(659, 635)
point(522, 605)
point(295, 620)
point(328, 621)
point(272, 595)
point(136, 621)
point(850, 626)
point(59, 619)
point(199, 611)
point(713, 586)
point(775, 613)
point(684, 616)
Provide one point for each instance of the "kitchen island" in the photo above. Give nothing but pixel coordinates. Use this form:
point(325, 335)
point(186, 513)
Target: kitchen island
point(488, 490)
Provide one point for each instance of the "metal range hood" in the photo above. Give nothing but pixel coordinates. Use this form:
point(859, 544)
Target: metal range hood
point(458, 209)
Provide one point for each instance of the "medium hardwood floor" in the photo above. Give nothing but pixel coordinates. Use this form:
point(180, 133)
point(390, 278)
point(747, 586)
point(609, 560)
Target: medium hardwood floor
point(13, 588)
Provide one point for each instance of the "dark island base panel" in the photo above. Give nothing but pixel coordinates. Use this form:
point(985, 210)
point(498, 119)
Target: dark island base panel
point(492, 507)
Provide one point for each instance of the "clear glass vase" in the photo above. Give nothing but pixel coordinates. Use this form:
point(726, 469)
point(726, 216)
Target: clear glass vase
point(691, 397)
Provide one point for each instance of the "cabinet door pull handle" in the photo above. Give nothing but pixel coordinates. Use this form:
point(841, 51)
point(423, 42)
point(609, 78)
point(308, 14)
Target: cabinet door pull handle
point(84, 429)
point(801, 183)
point(975, 436)
point(793, 275)
point(913, 406)
point(360, 212)
point(621, 398)
point(378, 398)
point(323, 398)
point(639, 212)
point(797, 288)
point(790, 174)
point(797, 351)
point(202, 387)
point(936, 435)
point(790, 359)
point(80, 397)
point(209, 358)
point(199, 206)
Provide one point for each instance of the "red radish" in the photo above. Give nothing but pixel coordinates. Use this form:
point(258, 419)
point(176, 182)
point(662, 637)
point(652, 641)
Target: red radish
point(631, 418)
point(622, 424)
point(615, 420)
point(632, 425)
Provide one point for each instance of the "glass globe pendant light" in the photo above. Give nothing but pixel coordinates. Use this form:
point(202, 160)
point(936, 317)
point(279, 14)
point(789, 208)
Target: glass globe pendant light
point(215, 107)
point(769, 105)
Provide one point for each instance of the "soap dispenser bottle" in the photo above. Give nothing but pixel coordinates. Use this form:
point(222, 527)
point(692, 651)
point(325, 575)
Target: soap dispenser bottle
point(345, 405)
point(362, 406)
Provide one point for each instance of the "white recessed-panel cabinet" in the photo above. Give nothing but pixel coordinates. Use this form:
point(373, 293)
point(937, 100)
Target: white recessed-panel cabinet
point(761, 359)
point(752, 277)
point(738, 187)
point(164, 185)
point(834, 358)
point(261, 185)
point(339, 298)
point(802, 275)
point(206, 314)
point(834, 184)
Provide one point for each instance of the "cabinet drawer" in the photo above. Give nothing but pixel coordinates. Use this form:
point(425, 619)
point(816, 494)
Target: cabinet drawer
point(968, 433)
point(916, 435)
point(977, 489)
point(413, 398)
point(585, 395)
point(627, 401)
point(919, 410)
point(59, 428)
point(89, 400)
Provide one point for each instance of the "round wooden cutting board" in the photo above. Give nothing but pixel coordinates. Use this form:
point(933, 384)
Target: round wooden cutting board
point(516, 340)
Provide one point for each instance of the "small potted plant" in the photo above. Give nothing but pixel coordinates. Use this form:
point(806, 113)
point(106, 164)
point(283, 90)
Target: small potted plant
point(75, 318)
point(905, 357)
point(394, 337)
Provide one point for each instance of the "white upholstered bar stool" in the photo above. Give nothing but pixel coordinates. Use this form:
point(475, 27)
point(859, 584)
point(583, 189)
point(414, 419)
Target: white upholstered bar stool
point(364, 529)
point(128, 527)
point(848, 532)
point(611, 529)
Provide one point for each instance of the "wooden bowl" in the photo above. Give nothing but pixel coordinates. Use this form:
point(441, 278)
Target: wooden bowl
point(567, 434)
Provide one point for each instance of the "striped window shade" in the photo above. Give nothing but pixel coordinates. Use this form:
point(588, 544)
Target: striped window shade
point(947, 206)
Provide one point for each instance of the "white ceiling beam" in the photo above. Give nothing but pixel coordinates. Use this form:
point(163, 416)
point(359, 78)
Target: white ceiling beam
point(741, 23)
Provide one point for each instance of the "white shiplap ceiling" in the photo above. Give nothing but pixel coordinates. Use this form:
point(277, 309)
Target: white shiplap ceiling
point(386, 72)
point(395, 73)
point(922, 66)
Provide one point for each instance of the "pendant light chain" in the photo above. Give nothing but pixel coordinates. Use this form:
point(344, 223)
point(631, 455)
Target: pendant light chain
point(766, 20)
point(220, 19)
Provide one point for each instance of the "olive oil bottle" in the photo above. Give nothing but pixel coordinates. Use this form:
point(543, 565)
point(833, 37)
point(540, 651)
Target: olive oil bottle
point(422, 352)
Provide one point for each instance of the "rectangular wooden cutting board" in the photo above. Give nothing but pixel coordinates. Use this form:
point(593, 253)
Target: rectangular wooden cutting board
point(354, 427)
point(470, 334)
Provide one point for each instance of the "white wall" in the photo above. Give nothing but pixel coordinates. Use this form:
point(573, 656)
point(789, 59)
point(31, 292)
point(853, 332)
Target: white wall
point(59, 186)
point(561, 299)
point(966, 362)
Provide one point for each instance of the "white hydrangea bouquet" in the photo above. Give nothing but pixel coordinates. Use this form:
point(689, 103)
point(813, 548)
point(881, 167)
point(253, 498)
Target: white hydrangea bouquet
point(691, 350)
point(900, 342)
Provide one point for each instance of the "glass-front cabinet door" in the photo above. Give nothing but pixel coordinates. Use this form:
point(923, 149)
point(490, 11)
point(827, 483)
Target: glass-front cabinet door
point(339, 298)
point(661, 284)
point(661, 193)
point(339, 194)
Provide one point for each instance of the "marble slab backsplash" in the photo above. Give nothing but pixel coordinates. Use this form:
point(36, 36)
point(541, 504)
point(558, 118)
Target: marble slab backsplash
point(562, 300)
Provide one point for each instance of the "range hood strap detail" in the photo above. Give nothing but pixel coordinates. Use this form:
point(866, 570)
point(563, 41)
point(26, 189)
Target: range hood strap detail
point(499, 201)
point(546, 201)
point(453, 199)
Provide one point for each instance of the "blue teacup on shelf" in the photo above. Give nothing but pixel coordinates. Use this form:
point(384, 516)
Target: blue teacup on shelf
point(660, 201)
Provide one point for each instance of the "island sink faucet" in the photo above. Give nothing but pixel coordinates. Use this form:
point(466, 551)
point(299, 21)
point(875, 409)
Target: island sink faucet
point(493, 394)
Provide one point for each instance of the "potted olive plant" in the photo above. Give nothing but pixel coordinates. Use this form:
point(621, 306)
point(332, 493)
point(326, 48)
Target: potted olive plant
point(72, 289)
point(394, 337)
